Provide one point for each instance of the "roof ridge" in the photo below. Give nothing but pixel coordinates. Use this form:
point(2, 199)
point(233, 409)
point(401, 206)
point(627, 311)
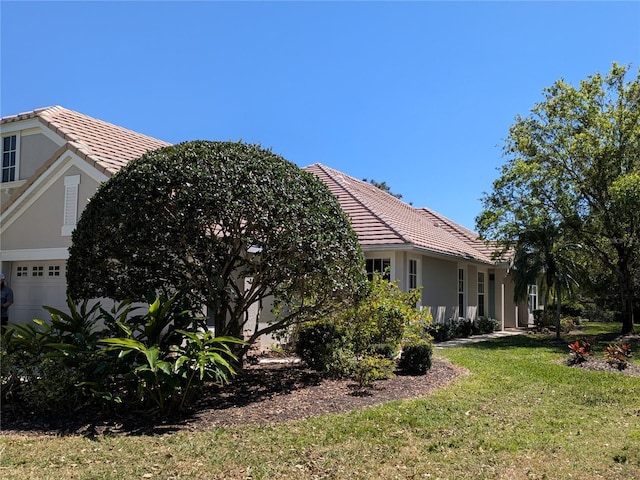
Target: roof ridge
point(339, 179)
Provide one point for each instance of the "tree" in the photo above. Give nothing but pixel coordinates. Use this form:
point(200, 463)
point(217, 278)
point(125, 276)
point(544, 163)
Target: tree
point(576, 158)
point(543, 256)
point(228, 225)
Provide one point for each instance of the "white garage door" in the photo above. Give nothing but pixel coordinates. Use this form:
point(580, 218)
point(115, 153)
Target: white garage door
point(34, 284)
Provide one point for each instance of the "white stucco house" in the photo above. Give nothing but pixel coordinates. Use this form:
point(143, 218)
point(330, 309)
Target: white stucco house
point(54, 159)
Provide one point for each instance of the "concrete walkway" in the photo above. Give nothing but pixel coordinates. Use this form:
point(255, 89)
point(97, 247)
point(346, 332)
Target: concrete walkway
point(456, 342)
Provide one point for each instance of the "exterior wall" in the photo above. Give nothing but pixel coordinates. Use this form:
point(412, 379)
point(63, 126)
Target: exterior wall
point(439, 280)
point(505, 309)
point(471, 287)
point(39, 226)
point(35, 149)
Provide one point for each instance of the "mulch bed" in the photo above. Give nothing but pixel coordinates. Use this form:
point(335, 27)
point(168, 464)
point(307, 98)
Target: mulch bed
point(265, 394)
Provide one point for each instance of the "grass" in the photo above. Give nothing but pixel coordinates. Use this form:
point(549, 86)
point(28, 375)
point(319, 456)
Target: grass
point(520, 414)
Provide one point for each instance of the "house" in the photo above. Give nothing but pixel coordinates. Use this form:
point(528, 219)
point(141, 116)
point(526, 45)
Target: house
point(53, 160)
point(422, 248)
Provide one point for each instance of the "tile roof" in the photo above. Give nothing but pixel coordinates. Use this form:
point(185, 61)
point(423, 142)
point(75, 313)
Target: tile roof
point(106, 146)
point(382, 220)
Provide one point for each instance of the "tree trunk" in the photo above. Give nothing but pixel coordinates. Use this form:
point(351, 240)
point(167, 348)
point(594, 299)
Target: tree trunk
point(626, 291)
point(627, 308)
point(558, 310)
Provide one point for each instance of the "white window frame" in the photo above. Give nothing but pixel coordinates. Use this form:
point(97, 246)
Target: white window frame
point(482, 286)
point(413, 274)
point(378, 264)
point(532, 297)
point(16, 166)
point(461, 291)
point(70, 207)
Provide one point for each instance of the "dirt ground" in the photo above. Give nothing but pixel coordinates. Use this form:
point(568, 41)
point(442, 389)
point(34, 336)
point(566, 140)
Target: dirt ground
point(261, 394)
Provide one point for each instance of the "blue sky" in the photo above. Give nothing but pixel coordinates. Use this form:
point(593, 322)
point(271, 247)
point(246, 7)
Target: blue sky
point(418, 94)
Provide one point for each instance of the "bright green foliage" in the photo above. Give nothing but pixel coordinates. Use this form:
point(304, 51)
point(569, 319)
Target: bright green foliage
point(385, 315)
point(363, 341)
point(371, 368)
point(229, 225)
point(569, 192)
point(113, 358)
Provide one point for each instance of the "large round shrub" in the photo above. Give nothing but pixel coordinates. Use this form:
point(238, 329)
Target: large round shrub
point(229, 225)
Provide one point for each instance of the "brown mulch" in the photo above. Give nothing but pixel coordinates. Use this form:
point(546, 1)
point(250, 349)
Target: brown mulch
point(600, 365)
point(266, 394)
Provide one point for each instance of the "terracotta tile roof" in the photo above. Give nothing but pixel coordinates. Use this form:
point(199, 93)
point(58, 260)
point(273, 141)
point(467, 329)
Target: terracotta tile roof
point(382, 220)
point(106, 146)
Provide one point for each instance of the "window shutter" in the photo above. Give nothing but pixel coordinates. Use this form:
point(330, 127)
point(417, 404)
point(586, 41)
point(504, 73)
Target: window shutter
point(70, 204)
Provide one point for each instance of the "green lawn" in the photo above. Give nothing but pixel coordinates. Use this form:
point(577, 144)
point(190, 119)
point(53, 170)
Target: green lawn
point(520, 414)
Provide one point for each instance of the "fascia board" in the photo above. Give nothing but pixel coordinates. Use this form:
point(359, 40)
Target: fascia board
point(60, 253)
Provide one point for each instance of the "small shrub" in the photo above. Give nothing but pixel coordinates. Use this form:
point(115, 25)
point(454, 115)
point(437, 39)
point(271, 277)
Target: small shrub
point(384, 350)
point(568, 323)
point(371, 368)
point(464, 328)
point(486, 325)
point(416, 358)
point(52, 387)
point(618, 355)
point(581, 349)
point(442, 332)
point(342, 361)
point(314, 342)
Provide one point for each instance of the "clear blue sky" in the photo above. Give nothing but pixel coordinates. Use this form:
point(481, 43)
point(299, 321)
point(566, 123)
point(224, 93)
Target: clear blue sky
point(417, 94)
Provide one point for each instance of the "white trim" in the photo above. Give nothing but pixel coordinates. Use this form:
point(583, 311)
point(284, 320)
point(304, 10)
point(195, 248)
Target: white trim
point(45, 181)
point(70, 205)
point(33, 126)
point(16, 166)
point(18, 125)
point(60, 253)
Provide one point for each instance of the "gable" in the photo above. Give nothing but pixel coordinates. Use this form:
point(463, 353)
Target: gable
point(37, 221)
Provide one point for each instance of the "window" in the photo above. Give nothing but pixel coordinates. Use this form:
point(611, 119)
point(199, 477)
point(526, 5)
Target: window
point(70, 204)
point(413, 274)
point(37, 271)
point(22, 271)
point(54, 270)
point(378, 265)
point(460, 291)
point(533, 298)
point(480, 294)
point(9, 158)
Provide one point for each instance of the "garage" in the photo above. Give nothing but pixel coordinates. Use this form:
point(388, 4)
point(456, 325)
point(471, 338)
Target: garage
point(37, 283)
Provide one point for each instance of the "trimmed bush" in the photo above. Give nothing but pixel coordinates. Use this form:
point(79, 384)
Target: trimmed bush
point(315, 342)
point(416, 358)
point(371, 368)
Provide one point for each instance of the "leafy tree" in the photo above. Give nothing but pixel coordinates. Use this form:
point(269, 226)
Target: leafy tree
point(229, 225)
point(576, 159)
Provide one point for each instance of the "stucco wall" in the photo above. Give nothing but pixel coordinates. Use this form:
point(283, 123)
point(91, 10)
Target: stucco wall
point(39, 226)
point(439, 280)
point(35, 149)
